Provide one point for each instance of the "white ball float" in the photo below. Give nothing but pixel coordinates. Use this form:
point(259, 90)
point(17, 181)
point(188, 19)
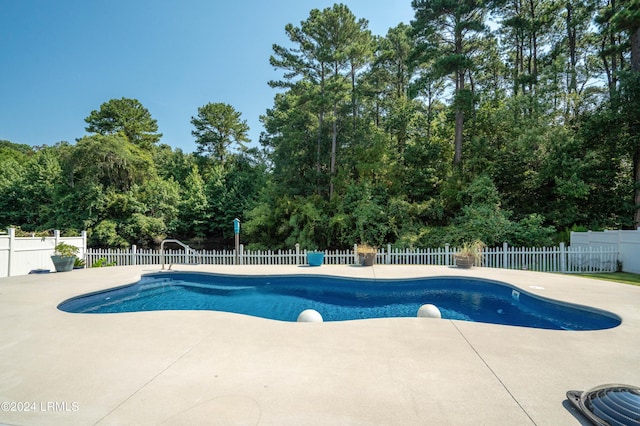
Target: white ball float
point(429, 311)
point(309, 315)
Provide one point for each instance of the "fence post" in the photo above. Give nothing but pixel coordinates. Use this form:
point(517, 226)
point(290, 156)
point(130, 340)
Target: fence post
point(134, 250)
point(355, 254)
point(619, 248)
point(447, 255)
point(505, 256)
point(388, 256)
point(563, 259)
point(12, 247)
point(83, 234)
point(297, 254)
point(241, 254)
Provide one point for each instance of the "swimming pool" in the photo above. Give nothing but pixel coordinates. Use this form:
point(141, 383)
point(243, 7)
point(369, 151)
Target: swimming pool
point(338, 299)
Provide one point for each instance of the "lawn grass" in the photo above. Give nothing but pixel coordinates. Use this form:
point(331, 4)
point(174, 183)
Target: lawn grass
point(621, 277)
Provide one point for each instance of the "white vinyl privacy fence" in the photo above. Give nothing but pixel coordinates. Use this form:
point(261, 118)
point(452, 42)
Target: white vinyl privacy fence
point(627, 243)
point(21, 255)
point(546, 259)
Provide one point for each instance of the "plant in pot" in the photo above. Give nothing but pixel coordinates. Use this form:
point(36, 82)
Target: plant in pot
point(367, 255)
point(315, 257)
point(64, 257)
point(469, 254)
point(79, 263)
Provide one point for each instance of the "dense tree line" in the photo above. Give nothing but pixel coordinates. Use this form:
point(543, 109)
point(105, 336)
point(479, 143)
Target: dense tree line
point(124, 188)
point(504, 120)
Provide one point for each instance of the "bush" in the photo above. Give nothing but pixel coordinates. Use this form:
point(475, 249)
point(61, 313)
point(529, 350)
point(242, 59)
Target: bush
point(105, 234)
point(102, 262)
point(531, 232)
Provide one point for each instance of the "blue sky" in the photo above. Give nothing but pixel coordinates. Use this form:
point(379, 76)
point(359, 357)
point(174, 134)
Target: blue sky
point(61, 59)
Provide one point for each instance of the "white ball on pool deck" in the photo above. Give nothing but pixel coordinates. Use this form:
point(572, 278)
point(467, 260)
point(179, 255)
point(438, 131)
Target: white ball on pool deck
point(309, 315)
point(429, 311)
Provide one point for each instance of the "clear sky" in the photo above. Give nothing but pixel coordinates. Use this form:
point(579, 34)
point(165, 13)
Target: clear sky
point(61, 59)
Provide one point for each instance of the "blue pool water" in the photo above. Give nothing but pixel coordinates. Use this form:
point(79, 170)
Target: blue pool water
point(338, 299)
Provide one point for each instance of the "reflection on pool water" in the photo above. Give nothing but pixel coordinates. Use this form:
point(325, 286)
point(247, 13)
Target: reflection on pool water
point(338, 299)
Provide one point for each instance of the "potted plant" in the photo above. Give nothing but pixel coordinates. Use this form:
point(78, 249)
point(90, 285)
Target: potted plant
point(315, 257)
point(79, 263)
point(64, 257)
point(469, 254)
point(366, 255)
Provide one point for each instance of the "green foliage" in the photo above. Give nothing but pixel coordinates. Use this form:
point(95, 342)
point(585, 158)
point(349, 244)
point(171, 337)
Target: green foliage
point(105, 234)
point(144, 231)
point(306, 224)
point(232, 191)
point(127, 117)
point(22, 233)
point(364, 140)
point(28, 191)
point(482, 217)
point(531, 232)
point(218, 126)
point(330, 46)
point(65, 250)
point(194, 206)
point(102, 262)
point(159, 199)
point(365, 207)
point(110, 162)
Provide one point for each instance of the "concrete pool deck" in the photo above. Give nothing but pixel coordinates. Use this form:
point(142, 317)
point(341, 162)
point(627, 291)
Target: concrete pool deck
point(201, 367)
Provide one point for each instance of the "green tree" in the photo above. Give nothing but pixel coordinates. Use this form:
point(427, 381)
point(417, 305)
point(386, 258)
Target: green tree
point(218, 126)
point(29, 191)
point(194, 209)
point(13, 158)
point(619, 24)
point(105, 234)
point(482, 216)
point(393, 56)
point(19, 152)
point(448, 32)
point(290, 141)
point(173, 164)
point(329, 49)
point(233, 190)
point(110, 161)
point(307, 65)
point(392, 66)
point(608, 169)
point(160, 199)
point(628, 19)
point(126, 116)
point(526, 30)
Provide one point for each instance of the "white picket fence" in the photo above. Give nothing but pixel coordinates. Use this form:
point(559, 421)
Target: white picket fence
point(588, 252)
point(545, 259)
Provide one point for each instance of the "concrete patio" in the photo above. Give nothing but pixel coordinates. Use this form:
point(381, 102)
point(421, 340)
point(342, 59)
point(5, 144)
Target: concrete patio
point(200, 367)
